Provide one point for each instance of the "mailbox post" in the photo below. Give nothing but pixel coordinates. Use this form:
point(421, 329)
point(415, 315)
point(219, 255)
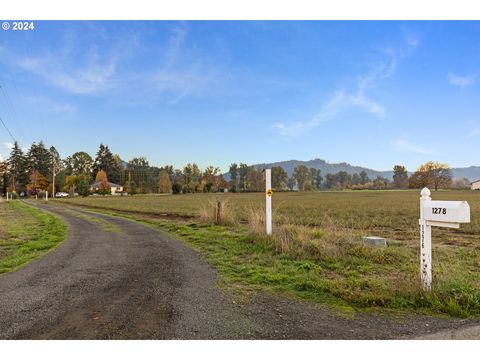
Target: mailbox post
point(425, 243)
point(436, 213)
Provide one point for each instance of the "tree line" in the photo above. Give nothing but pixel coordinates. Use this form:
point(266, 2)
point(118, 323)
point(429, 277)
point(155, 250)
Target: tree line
point(41, 168)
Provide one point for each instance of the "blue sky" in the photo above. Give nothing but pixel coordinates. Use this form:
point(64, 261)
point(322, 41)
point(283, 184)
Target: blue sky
point(369, 93)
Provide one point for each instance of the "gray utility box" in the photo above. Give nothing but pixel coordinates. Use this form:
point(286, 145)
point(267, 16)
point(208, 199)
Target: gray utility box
point(375, 240)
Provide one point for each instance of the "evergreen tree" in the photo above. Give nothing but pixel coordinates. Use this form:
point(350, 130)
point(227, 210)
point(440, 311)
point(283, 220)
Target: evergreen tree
point(17, 168)
point(105, 161)
point(38, 159)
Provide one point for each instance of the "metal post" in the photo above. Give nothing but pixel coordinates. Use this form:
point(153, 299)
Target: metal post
point(268, 197)
point(425, 244)
point(218, 211)
point(53, 183)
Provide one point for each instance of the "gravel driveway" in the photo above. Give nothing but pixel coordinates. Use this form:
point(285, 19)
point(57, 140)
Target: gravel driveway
point(128, 281)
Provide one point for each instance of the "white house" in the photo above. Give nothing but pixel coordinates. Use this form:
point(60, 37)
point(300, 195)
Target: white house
point(476, 185)
point(114, 188)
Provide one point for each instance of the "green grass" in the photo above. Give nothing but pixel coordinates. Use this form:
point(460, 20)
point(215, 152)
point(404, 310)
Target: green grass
point(317, 253)
point(26, 233)
point(104, 224)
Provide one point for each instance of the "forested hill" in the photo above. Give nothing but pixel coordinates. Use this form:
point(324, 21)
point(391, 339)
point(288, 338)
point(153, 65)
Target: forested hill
point(471, 173)
point(326, 168)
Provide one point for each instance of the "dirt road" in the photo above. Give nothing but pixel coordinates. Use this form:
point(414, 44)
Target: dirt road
point(118, 279)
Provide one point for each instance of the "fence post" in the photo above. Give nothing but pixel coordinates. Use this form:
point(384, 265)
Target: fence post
point(218, 211)
point(46, 195)
point(425, 244)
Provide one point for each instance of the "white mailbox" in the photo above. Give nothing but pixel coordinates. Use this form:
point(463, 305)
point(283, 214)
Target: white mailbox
point(452, 212)
point(436, 213)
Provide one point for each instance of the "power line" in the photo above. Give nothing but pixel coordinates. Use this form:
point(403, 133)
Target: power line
point(8, 130)
point(12, 107)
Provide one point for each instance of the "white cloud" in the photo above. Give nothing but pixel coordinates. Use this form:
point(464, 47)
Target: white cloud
point(336, 103)
point(8, 145)
point(91, 78)
point(359, 98)
point(404, 145)
point(342, 100)
point(461, 81)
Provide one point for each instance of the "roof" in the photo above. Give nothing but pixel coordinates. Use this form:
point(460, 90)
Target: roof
point(474, 181)
point(98, 184)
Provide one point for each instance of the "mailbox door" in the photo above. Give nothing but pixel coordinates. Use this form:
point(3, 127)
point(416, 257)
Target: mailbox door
point(447, 211)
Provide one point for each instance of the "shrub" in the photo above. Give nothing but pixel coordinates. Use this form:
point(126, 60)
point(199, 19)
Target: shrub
point(176, 188)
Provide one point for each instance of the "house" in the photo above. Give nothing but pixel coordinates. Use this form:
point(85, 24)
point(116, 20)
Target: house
point(114, 188)
point(476, 185)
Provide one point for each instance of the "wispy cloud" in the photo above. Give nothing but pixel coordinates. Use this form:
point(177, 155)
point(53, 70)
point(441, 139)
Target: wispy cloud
point(404, 145)
point(359, 97)
point(102, 69)
point(461, 81)
point(91, 78)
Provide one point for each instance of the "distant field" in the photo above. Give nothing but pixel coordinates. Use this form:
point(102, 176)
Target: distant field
point(393, 214)
point(316, 250)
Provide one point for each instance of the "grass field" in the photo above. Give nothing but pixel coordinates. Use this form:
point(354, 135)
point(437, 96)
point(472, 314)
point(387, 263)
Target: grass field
point(25, 234)
point(317, 250)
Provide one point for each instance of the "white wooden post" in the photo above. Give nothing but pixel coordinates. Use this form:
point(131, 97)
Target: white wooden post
point(268, 197)
point(46, 195)
point(7, 197)
point(425, 243)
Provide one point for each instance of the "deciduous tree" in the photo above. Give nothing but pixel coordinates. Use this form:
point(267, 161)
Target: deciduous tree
point(431, 174)
point(400, 177)
point(164, 183)
point(279, 178)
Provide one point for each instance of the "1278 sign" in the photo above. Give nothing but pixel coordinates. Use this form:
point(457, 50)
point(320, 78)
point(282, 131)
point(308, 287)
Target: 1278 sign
point(440, 211)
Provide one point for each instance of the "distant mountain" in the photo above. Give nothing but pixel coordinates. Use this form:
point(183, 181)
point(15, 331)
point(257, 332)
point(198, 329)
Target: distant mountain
point(471, 173)
point(326, 168)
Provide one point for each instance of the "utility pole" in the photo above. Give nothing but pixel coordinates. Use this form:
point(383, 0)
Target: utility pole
point(53, 184)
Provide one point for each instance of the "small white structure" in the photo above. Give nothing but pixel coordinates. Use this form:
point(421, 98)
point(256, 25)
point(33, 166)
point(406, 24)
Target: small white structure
point(436, 213)
point(475, 185)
